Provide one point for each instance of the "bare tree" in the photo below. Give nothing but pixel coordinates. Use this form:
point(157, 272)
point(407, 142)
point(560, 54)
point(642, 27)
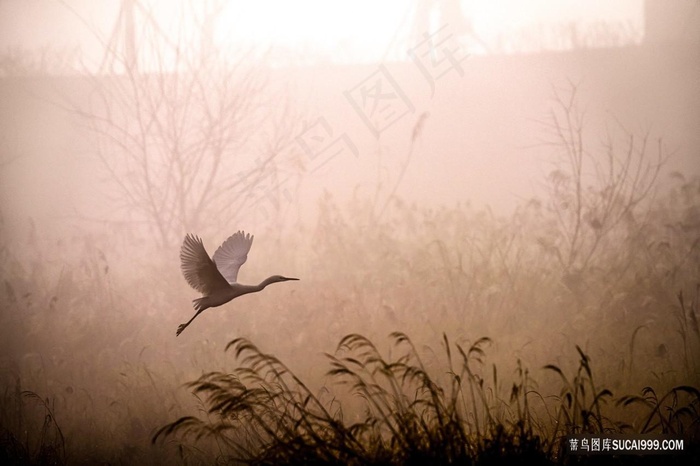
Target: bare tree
point(595, 192)
point(189, 137)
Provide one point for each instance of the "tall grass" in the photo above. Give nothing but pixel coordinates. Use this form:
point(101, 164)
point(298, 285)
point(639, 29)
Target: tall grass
point(261, 413)
point(23, 440)
point(94, 336)
point(89, 325)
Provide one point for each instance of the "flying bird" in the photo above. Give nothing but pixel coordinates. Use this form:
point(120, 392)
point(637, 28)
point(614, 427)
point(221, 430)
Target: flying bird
point(217, 279)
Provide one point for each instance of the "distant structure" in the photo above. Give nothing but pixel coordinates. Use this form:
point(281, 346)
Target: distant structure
point(672, 21)
point(122, 41)
point(427, 17)
point(454, 15)
point(121, 49)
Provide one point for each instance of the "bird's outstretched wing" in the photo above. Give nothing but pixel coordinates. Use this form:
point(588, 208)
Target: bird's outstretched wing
point(199, 270)
point(232, 254)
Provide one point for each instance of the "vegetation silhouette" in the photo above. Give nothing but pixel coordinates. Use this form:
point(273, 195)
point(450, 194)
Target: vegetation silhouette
point(263, 414)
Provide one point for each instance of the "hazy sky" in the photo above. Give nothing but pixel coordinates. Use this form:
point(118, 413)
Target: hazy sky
point(356, 30)
point(444, 195)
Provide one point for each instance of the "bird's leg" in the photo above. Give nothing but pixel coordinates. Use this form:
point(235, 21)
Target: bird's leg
point(182, 327)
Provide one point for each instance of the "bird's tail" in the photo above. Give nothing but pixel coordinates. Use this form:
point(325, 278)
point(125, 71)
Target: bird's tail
point(200, 304)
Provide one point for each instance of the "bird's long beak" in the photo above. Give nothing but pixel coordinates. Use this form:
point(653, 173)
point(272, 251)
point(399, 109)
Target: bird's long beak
point(289, 278)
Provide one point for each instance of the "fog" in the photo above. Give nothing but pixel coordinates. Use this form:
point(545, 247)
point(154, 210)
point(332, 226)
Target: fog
point(451, 171)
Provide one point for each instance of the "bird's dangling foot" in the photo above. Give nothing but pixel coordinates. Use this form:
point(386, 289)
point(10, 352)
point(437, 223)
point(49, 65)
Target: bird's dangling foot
point(180, 328)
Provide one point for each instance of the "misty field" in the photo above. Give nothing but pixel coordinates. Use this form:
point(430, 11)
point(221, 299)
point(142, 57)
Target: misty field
point(497, 240)
point(416, 336)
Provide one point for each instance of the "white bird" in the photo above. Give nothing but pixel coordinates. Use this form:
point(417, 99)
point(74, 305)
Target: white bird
point(216, 279)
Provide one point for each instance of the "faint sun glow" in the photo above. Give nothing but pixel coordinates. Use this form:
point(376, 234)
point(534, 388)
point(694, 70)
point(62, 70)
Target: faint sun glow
point(365, 30)
point(313, 30)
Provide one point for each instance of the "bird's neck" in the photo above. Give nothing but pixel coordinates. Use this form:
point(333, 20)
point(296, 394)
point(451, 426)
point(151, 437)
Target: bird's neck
point(264, 283)
point(240, 290)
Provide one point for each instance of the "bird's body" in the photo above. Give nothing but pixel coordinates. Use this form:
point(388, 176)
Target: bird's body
point(217, 279)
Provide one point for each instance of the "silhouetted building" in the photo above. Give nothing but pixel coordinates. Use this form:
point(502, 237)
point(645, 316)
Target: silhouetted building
point(669, 21)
